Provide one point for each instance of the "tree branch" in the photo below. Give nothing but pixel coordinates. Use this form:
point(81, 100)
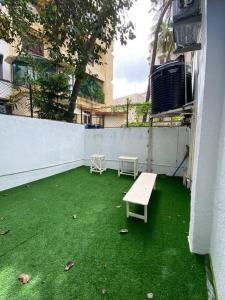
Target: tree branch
point(155, 45)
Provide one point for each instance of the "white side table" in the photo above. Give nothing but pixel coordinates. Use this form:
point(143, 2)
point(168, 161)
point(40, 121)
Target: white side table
point(97, 163)
point(133, 160)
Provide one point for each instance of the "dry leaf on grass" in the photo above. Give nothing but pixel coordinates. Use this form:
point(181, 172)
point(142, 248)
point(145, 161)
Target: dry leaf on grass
point(104, 291)
point(68, 265)
point(124, 231)
point(4, 231)
point(150, 296)
point(24, 278)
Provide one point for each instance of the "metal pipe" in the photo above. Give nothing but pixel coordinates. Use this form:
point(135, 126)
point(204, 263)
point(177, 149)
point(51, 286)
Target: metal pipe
point(31, 101)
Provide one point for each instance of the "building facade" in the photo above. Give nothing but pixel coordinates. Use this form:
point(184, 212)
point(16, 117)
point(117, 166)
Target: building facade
point(86, 108)
point(130, 115)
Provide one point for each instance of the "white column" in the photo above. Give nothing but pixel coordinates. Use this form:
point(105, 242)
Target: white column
point(210, 96)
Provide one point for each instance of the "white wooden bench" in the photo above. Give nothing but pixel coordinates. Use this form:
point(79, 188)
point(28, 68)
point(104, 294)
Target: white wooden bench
point(140, 193)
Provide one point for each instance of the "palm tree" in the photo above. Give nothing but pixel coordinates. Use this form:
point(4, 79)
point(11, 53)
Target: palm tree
point(165, 8)
point(166, 43)
point(163, 11)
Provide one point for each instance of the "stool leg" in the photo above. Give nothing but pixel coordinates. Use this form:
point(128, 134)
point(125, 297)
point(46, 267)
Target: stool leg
point(127, 209)
point(119, 169)
point(91, 167)
point(145, 213)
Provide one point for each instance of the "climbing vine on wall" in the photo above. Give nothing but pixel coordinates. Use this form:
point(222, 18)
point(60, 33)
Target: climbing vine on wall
point(92, 88)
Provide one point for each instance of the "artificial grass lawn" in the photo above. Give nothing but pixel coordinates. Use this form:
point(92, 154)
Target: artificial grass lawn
point(152, 257)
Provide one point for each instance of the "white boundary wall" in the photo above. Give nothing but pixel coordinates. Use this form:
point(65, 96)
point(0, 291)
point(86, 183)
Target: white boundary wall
point(31, 149)
point(168, 146)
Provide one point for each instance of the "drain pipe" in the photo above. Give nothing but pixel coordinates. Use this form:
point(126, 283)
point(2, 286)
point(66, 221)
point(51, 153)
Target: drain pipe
point(149, 159)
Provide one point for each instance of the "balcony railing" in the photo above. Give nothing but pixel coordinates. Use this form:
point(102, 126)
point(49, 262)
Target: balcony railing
point(5, 89)
point(5, 92)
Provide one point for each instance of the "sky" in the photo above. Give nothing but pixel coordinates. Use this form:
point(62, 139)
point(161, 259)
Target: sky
point(130, 62)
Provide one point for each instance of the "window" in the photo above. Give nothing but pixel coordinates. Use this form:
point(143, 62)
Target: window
point(87, 117)
point(22, 71)
point(2, 107)
point(33, 45)
point(1, 66)
point(5, 108)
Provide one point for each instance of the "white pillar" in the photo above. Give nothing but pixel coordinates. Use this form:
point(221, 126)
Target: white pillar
point(210, 96)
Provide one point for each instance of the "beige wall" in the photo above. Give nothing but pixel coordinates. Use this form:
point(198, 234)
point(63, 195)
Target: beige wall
point(115, 120)
point(104, 73)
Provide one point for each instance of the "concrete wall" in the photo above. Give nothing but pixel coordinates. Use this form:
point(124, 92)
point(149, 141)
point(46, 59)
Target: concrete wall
point(207, 227)
point(32, 149)
point(168, 146)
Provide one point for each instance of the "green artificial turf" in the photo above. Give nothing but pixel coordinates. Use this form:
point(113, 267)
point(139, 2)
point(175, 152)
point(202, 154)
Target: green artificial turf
point(152, 257)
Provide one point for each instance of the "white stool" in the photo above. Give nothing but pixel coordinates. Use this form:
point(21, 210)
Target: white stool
point(129, 159)
point(97, 163)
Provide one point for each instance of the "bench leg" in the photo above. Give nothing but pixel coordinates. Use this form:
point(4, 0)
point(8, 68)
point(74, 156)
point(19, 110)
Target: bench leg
point(145, 213)
point(127, 209)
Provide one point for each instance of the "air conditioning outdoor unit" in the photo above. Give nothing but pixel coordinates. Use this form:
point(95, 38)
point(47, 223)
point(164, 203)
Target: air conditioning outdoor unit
point(187, 25)
point(185, 9)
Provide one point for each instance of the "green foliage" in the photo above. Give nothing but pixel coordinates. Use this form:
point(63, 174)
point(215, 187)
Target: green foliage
point(177, 118)
point(141, 109)
point(119, 108)
point(51, 94)
point(76, 32)
point(92, 88)
point(16, 17)
point(50, 87)
point(84, 28)
point(138, 124)
point(166, 43)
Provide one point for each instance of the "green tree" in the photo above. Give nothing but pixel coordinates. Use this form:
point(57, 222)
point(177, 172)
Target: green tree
point(49, 85)
point(76, 32)
point(51, 93)
point(86, 29)
point(91, 88)
point(162, 7)
point(166, 43)
point(15, 19)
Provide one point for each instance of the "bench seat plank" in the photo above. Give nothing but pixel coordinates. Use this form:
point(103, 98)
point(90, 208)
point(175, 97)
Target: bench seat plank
point(140, 193)
point(141, 190)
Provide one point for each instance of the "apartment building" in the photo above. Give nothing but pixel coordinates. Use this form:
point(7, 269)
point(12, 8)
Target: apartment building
point(87, 109)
